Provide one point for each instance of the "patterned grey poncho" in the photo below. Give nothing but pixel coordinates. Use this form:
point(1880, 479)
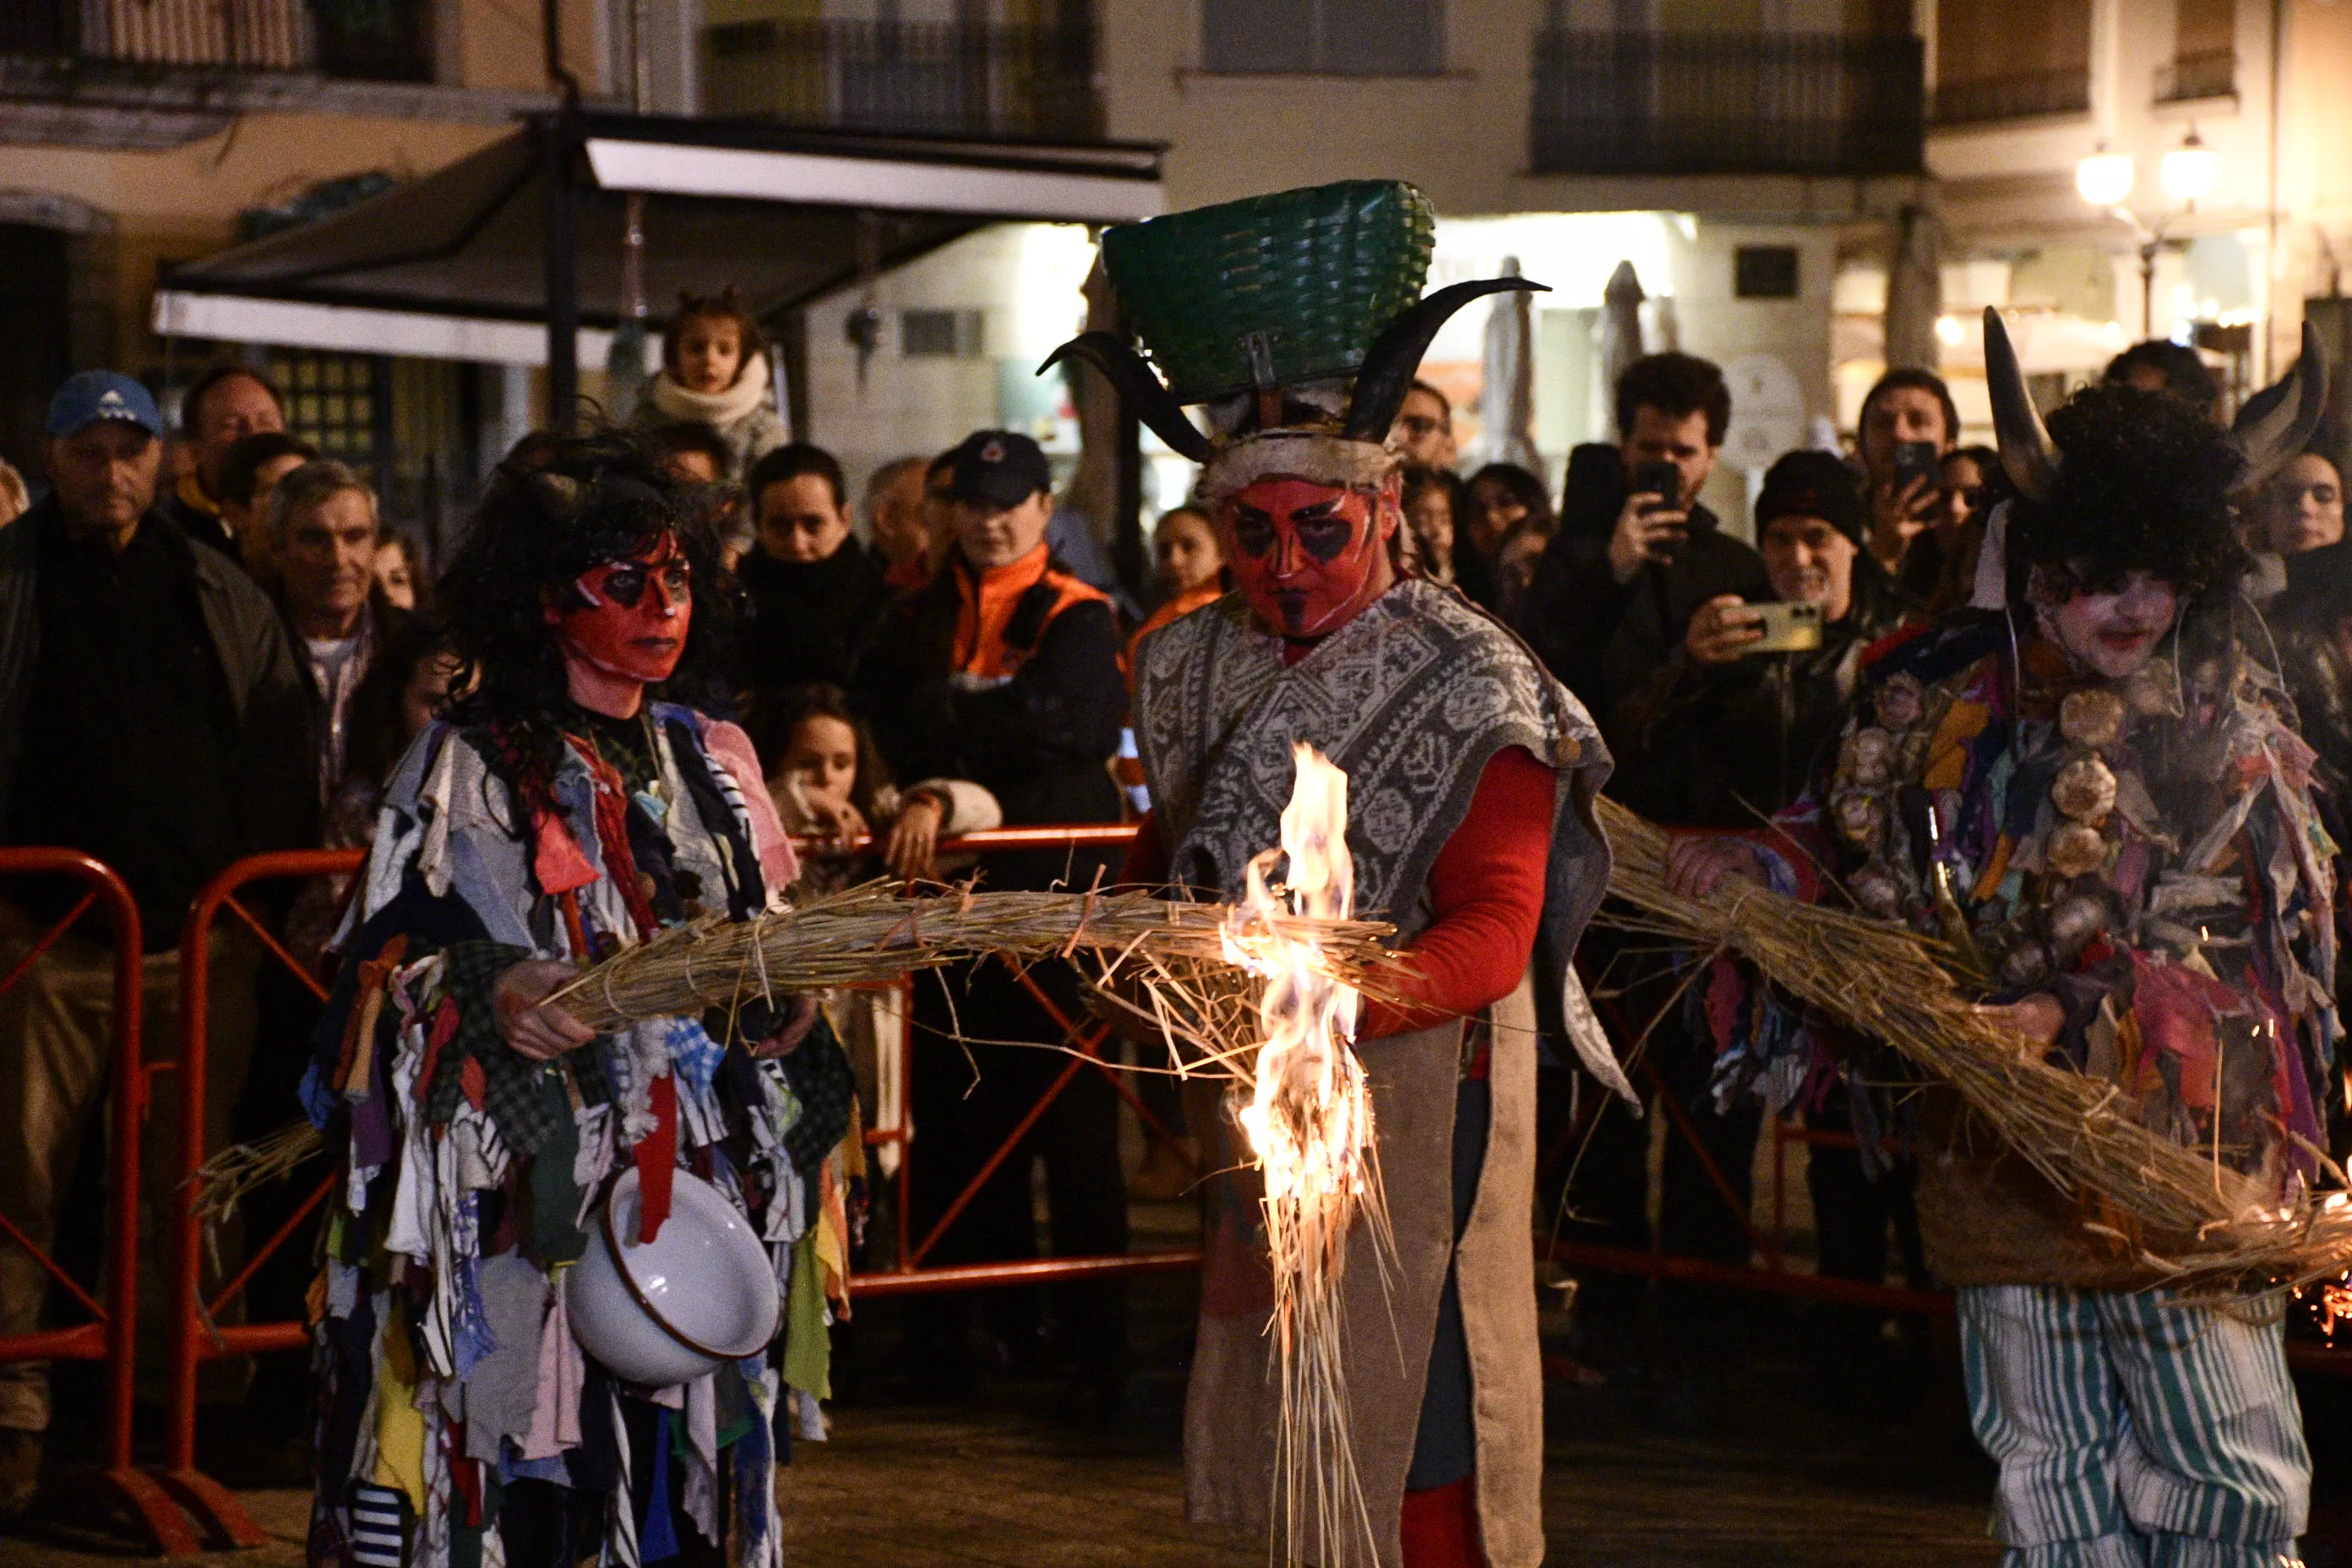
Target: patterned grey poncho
point(1412, 699)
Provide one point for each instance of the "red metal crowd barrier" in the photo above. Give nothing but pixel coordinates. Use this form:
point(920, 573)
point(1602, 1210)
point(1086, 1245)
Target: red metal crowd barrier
point(112, 1333)
point(1774, 1276)
point(195, 1334)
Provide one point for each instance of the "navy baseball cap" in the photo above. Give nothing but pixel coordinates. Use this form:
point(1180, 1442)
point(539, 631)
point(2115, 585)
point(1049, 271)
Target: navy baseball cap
point(90, 395)
point(998, 468)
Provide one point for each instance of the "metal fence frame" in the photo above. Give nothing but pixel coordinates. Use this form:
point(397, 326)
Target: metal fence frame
point(194, 1336)
point(112, 1334)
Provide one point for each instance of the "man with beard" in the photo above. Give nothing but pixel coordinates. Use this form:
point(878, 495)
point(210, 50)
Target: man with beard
point(1471, 775)
point(2092, 795)
point(1724, 729)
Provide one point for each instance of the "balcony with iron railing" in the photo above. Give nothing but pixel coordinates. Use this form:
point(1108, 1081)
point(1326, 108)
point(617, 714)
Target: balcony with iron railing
point(368, 40)
point(1726, 104)
point(2188, 77)
point(943, 78)
point(2021, 95)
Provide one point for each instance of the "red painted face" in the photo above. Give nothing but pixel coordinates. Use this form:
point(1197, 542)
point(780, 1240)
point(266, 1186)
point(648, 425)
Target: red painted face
point(629, 618)
point(1307, 556)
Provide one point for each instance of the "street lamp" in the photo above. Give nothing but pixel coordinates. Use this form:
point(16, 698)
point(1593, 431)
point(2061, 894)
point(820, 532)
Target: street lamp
point(2187, 174)
point(2104, 178)
point(2190, 171)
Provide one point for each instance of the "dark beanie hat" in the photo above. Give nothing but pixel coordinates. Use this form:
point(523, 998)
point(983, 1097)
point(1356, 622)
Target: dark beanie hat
point(1813, 484)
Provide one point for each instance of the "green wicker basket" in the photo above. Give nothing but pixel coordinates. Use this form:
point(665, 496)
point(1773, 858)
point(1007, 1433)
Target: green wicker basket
point(1302, 279)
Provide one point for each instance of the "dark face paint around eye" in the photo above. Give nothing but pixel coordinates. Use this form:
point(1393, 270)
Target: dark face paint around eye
point(1306, 555)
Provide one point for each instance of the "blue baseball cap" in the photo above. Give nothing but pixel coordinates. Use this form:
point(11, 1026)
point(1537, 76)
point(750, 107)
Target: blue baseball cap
point(90, 395)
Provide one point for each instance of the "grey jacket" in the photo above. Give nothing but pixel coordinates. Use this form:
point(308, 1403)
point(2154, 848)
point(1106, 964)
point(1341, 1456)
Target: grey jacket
point(265, 686)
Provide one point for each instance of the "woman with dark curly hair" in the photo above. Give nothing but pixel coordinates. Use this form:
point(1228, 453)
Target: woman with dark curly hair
point(572, 803)
point(2092, 794)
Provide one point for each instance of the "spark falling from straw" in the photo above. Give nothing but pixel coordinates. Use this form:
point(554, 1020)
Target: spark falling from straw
point(1309, 1123)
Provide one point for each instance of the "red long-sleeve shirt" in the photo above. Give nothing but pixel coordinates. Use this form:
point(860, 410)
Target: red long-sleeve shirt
point(1486, 896)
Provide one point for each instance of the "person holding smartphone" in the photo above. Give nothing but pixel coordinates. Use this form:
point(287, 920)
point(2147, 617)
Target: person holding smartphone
point(1636, 552)
point(1722, 734)
point(1727, 724)
point(1907, 424)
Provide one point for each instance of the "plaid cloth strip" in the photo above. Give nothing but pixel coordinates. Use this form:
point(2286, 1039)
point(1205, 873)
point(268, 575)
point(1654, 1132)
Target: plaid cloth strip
point(526, 1118)
point(826, 1086)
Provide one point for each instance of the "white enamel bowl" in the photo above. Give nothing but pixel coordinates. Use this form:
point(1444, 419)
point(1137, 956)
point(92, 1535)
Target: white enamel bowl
point(702, 1294)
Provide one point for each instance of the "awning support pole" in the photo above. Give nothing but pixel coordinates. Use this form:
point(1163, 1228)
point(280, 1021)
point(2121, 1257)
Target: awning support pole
point(562, 252)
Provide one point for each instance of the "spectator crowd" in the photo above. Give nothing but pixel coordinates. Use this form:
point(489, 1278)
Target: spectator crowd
point(212, 644)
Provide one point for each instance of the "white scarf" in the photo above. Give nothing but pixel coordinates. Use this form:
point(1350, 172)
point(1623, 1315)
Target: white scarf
point(718, 409)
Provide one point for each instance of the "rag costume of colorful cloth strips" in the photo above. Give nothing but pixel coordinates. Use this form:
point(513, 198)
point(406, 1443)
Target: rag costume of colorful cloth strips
point(472, 1175)
point(2145, 850)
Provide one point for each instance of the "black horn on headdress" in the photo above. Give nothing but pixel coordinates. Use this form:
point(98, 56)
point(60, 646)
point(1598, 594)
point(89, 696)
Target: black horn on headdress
point(2027, 453)
point(1388, 367)
point(1144, 391)
point(2277, 423)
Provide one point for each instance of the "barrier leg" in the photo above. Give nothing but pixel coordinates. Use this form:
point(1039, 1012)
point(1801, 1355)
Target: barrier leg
point(123, 1484)
point(116, 1487)
point(212, 1505)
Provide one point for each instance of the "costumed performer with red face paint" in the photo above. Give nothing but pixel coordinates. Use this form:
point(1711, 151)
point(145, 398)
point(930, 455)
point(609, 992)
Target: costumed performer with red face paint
point(568, 806)
point(1471, 774)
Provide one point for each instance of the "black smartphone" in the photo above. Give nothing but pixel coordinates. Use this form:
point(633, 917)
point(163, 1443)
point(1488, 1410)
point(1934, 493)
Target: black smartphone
point(1664, 479)
point(1916, 461)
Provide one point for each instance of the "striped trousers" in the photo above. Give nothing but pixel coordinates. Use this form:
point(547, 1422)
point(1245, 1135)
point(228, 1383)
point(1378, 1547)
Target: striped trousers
point(2132, 1432)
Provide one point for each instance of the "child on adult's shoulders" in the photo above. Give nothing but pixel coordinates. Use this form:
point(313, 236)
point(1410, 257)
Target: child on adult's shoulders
point(715, 372)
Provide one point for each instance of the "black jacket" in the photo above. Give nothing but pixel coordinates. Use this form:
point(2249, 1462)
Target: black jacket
point(1040, 740)
point(269, 747)
point(1726, 745)
point(1604, 637)
point(204, 527)
point(810, 621)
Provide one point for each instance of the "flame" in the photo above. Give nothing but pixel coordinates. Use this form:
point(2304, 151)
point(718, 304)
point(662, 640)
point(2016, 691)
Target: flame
point(1309, 1123)
point(1309, 1115)
point(2335, 1305)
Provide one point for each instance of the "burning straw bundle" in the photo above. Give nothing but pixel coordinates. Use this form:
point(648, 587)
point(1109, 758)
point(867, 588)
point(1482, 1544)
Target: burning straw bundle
point(869, 935)
point(2189, 1215)
point(1309, 1123)
point(1173, 961)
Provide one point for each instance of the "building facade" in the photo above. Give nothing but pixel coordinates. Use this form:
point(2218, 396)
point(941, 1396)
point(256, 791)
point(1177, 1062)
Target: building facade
point(135, 133)
point(2113, 170)
point(1753, 160)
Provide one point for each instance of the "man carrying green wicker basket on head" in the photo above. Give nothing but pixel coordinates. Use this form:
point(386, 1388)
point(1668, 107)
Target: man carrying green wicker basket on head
point(1298, 319)
point(2088, 789)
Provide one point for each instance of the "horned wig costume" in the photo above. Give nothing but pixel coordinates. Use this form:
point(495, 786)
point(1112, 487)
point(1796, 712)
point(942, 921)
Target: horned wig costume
point(2129, 842)
point(2133, 495)
point(1295, 319)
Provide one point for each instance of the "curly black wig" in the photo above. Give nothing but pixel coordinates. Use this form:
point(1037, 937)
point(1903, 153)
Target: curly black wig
point(584, 500)
point(2144, 486)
